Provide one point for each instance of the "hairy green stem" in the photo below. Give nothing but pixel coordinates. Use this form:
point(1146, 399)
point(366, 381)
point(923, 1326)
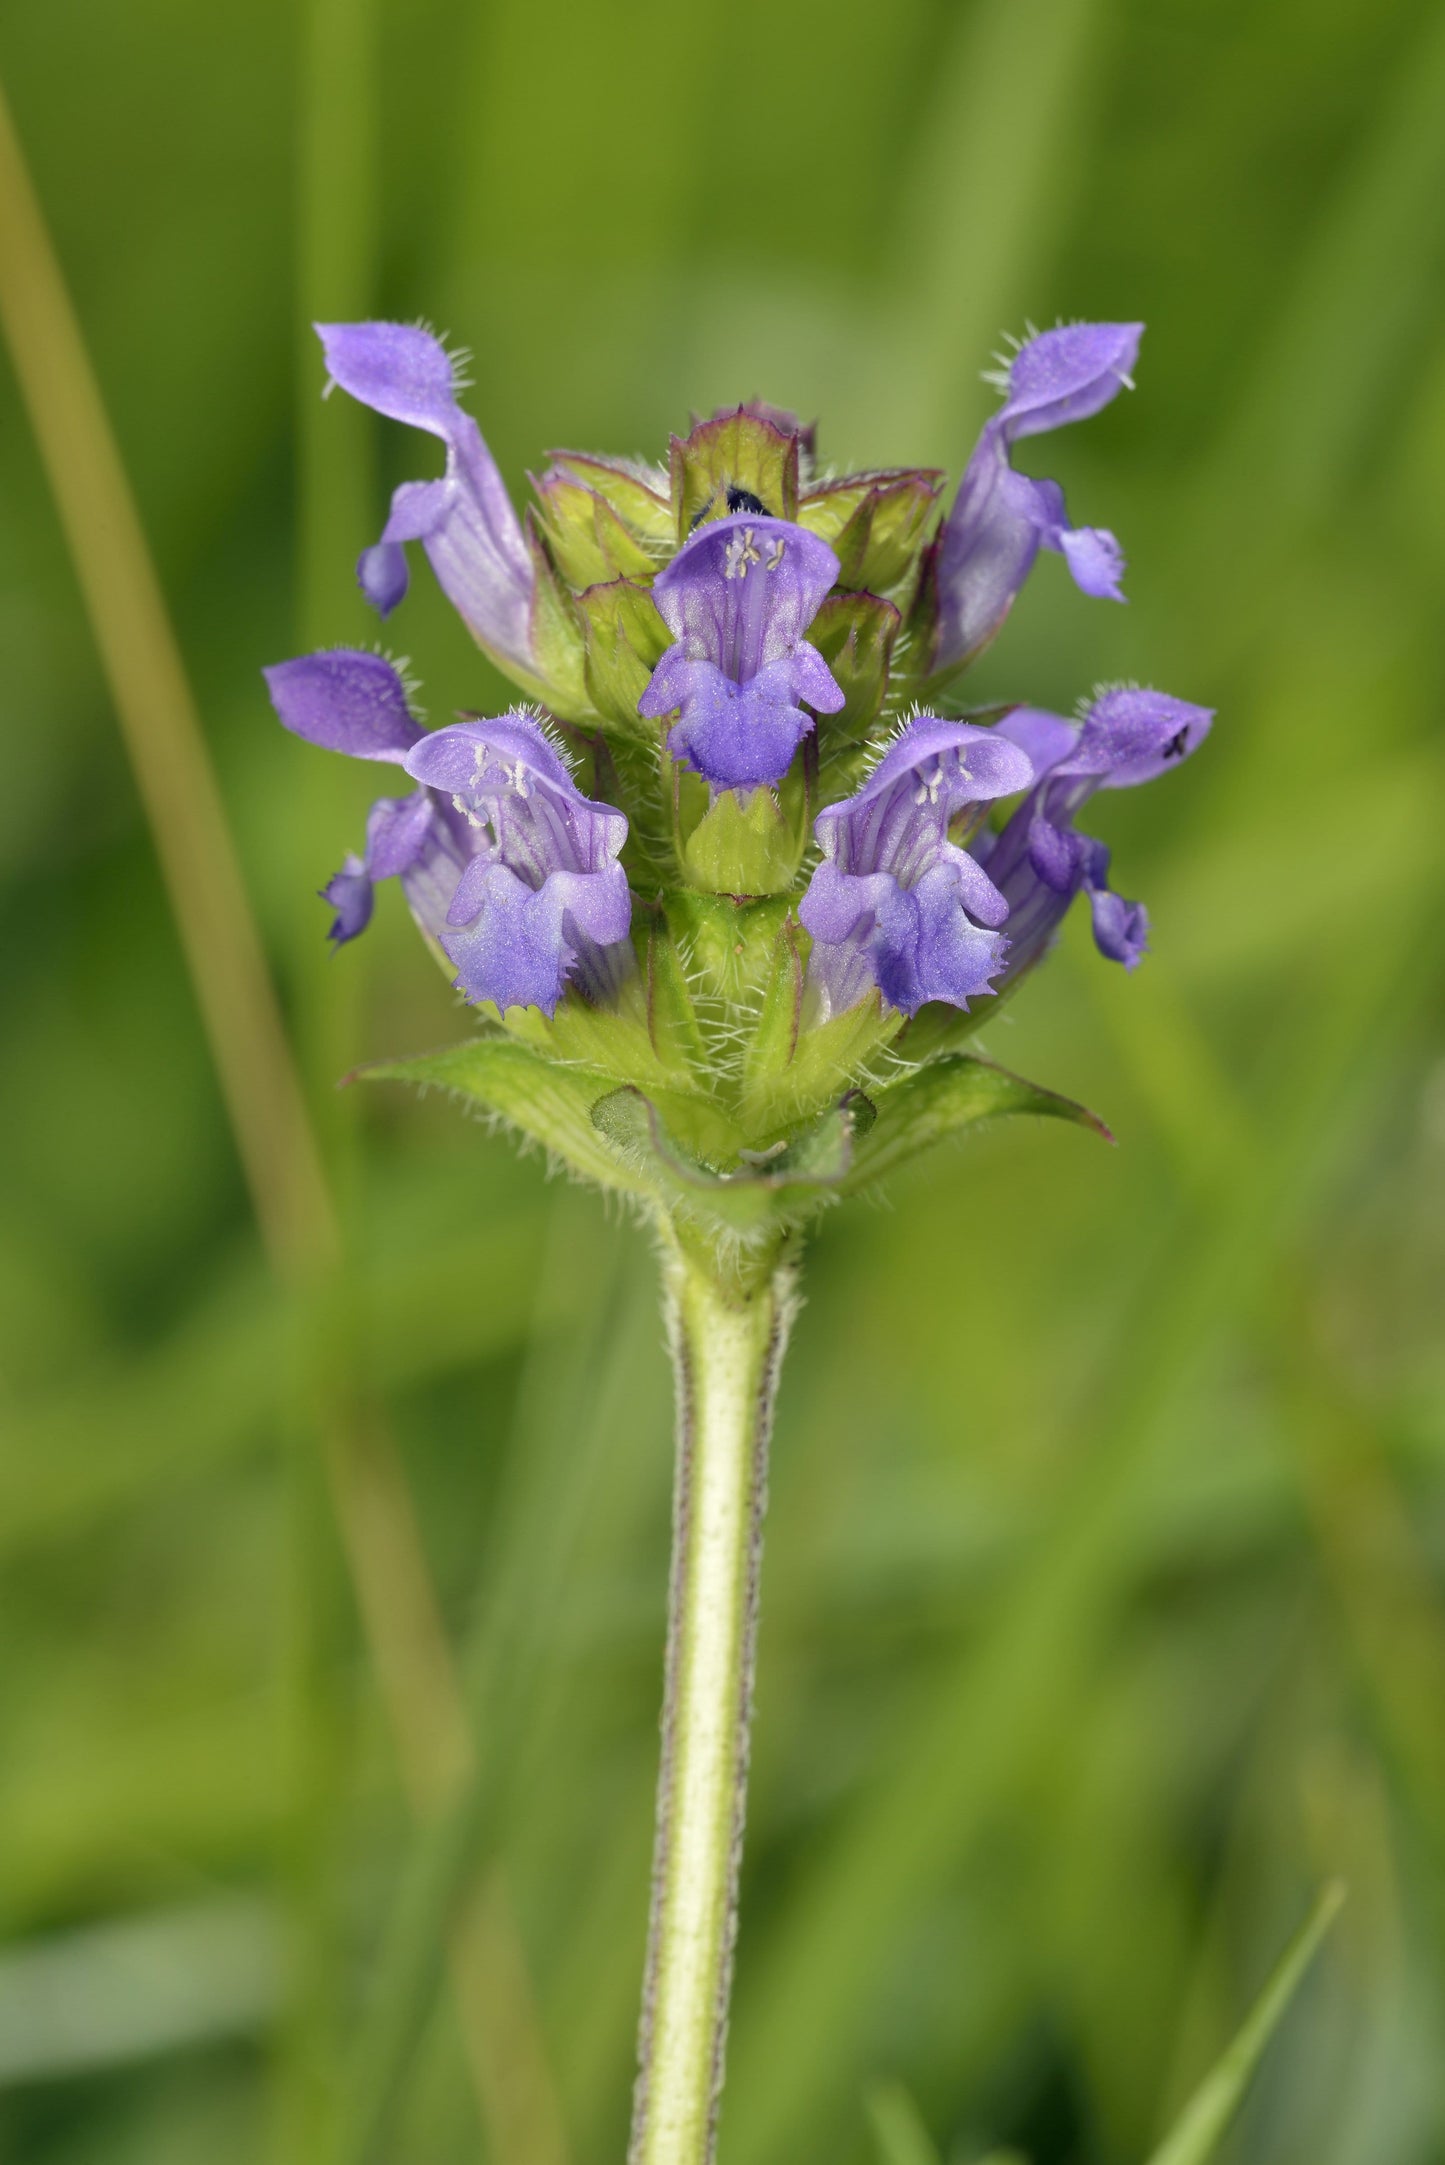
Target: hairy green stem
point(727, 1328)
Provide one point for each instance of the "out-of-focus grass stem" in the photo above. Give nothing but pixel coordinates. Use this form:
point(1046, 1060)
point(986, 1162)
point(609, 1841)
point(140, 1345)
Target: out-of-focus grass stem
point(336, 505)
point(257, 1075)
point(162, 734)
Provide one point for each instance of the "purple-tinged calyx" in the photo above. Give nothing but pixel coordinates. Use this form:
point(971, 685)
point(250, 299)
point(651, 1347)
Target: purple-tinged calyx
point(1039, 862)
point(502, 860)
point(543, 899)
point(895, 904)
point(464, 520)
point(1000, 519)
point(738, 599)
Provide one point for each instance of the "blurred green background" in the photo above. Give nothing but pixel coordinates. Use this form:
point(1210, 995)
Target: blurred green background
point(1104, 1605)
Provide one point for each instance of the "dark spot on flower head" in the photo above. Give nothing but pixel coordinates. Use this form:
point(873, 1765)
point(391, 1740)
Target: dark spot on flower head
point(737, 500)
point(1178, 744)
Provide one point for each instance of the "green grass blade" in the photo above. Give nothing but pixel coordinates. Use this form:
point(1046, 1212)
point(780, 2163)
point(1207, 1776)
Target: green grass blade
point(1200, 2127)
point(971, 1737)
point(899, 2134)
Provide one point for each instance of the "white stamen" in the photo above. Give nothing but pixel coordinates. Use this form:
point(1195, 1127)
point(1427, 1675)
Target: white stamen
point(742, 550)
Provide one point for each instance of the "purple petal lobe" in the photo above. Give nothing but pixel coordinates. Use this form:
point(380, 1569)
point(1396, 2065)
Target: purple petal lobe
point(381, 574)
point(345, 699)
point(349, 893)
point(1131, 736)
point(395, 368)
point(398, 831)
point(1068, 375)
point(1044, 738)
point(738, 600)
point(1095, 560)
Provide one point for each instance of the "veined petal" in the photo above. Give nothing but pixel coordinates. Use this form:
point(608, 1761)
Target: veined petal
point(516, 945)
point(986, 550)
point(543, 896)
point(895, 904)
point(738, 600)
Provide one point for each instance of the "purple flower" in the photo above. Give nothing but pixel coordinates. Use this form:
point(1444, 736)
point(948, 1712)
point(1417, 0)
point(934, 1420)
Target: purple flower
point(464, 520)
point(737, 600)
point(544, 897)
point(502, 859)
point(1000, 518)
point(895, 903)
point(1038, 862)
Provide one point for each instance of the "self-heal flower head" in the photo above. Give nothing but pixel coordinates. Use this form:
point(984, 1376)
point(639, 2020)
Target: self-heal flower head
point(738, 599)
point(544, 899)
point(1000, 519)
point(895, 904)
point(502, 860)
point(465, 520)
point(1038, 861)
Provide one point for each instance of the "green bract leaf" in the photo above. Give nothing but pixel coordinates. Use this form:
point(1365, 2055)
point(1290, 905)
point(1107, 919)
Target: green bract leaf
point(771, 1190)
point(1197, 2132)
point(744, 846)
point(557, 634)
point(625, 639)
point(944, 1097)
point(854, 633)
point(637, 492)
point(588, 541)
point(875, 522)
point(736, 450)
point(549, 1104)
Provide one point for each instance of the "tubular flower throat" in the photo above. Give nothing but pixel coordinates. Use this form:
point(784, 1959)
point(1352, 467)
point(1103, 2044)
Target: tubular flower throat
point(730, 851)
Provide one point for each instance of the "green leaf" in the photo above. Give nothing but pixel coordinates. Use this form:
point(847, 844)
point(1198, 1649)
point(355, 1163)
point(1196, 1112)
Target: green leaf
point(547, 1103)
point(1197, 2132)
point(898, 2130)
point(944, 1097)
point(733, 450)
